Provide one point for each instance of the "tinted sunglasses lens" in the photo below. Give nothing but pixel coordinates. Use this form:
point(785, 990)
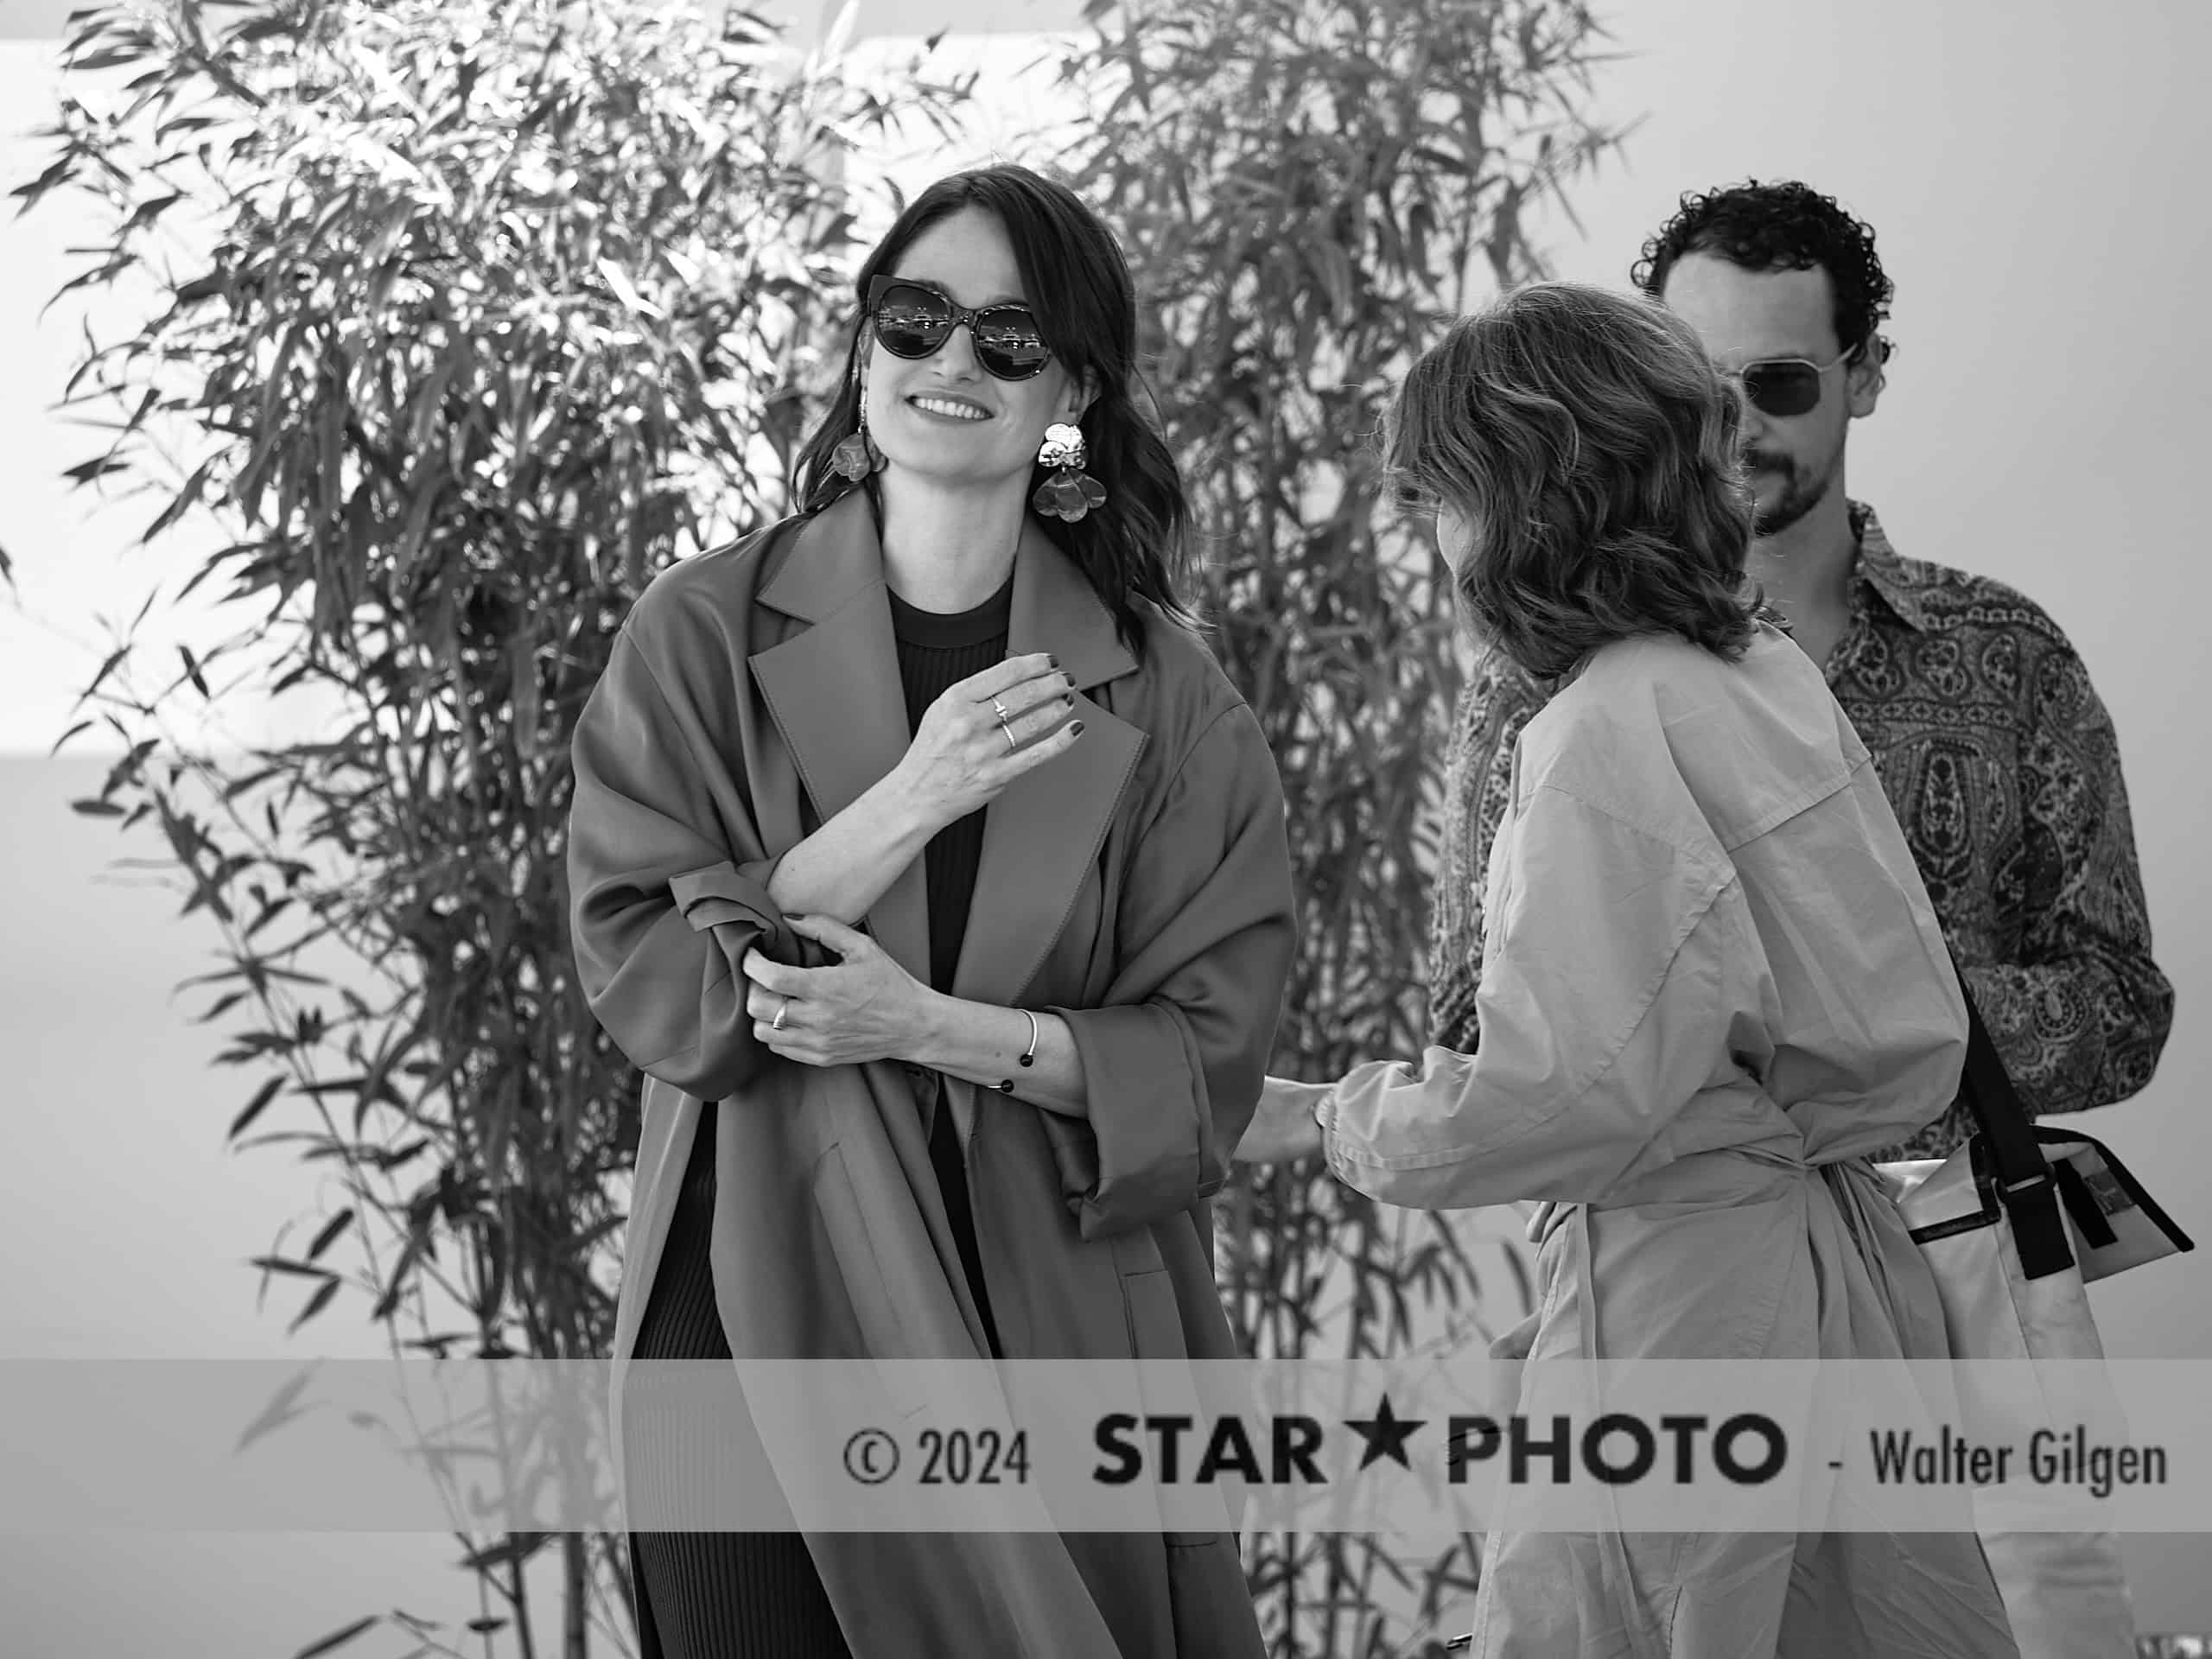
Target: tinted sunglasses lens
point(1783, 389)
point(911, 321)
point(1010, 345)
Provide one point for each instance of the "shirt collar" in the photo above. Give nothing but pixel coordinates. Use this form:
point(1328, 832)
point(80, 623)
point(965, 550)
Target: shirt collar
point(1881, 568)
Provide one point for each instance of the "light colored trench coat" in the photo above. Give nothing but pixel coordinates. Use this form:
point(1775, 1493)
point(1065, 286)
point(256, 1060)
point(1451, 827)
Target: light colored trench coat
point(1139, 886)
point(1712, 986)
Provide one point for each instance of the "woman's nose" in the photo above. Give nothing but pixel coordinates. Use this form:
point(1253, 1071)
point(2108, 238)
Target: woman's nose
point(959, 350)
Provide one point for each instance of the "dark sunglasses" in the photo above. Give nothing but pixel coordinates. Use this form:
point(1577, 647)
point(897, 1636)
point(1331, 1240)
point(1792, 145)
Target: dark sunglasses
point(914, 318)
point(1782, 386)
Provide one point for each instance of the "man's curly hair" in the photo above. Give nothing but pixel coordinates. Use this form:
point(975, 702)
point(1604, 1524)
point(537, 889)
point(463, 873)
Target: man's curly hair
point(1786, 226)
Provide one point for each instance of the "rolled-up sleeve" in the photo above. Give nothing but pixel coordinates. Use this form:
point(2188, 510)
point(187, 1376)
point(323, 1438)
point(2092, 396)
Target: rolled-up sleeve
point(664, 907)
point(1174, 1056)
point(1601, 1014)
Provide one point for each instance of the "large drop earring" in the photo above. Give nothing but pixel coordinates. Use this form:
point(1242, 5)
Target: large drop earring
point(856, 456)
point(1069, 492)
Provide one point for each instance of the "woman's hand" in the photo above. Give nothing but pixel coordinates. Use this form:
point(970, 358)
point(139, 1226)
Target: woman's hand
point(963, 756)
point(1283, 1130)
point(865, 1007)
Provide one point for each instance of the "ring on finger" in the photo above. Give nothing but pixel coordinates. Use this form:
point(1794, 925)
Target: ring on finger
point(1012, 743)
point(998, 709)
point(783, 1008)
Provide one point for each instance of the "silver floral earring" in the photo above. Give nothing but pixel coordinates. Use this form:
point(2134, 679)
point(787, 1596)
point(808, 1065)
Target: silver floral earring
point(1070, 493)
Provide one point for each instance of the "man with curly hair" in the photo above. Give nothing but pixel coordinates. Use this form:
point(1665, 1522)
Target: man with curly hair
point(1997, 754)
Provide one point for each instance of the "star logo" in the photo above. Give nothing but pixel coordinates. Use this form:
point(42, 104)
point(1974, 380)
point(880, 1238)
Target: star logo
point(1385, 1434)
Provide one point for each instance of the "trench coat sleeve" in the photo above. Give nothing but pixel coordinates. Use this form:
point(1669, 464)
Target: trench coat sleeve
point(667, 894)
point(1602, 1015)
point(1174, 1057)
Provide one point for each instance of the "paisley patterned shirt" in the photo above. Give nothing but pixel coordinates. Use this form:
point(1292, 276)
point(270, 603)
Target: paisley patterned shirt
point(2003, 768)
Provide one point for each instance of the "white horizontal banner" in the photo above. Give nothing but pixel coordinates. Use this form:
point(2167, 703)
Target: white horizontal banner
point(1417, 1449)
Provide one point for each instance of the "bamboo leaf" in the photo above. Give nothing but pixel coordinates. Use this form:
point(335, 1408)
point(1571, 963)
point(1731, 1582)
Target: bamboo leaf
point(181, 502)
point(108, 666)
point(331, 1229)
point(337, 1638)
point(299, 1269)
point(282, 1409)
point(254, 1108)
point(222, 1006)
point(315, 1304)
point(87, 472)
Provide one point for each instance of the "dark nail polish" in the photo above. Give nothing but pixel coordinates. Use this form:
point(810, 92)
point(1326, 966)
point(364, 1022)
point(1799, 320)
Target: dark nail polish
point(1076, 728)
point(1070, 701)
point(1054, 661)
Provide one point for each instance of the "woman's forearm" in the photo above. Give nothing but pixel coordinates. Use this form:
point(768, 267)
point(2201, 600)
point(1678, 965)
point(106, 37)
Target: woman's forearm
point(983, 1044)
point(844, 868)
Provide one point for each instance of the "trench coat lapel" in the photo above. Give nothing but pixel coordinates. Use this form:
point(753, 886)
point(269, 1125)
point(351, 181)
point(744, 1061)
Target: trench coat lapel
point(1043, 831)
point(834, 694)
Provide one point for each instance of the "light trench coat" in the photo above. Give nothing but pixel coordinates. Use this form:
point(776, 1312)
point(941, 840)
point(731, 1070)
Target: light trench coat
point(1712, 986)
point(1138, 885)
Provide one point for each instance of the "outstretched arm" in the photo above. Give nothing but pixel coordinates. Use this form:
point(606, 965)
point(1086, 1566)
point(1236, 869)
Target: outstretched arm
point(1600, 1014)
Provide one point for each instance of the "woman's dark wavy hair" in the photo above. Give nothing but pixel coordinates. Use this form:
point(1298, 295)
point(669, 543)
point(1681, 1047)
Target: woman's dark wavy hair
point(1138, 545)
point(1592, 448)
point(1786, 226)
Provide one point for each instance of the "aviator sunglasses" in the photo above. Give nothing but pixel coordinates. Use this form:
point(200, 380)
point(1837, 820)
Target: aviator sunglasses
point(914, 318)
point(1782, 386)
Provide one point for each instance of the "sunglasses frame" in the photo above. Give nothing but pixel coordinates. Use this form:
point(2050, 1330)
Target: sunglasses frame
point(1741, 377)
point(960, 315)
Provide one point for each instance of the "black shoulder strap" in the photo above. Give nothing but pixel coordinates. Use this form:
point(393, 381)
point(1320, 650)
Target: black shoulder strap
point(2024, 1184)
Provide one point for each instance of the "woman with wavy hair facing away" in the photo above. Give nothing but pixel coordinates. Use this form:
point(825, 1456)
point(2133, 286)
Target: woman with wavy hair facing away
point(955, 700)
point(1712, 982)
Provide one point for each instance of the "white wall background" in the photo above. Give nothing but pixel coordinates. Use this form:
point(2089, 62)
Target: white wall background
point(2034, 170)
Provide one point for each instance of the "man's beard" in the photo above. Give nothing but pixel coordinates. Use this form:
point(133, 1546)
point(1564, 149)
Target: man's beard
point(1799, 496)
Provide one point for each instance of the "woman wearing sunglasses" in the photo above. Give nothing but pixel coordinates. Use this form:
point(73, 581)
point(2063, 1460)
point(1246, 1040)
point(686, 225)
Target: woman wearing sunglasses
point(1713, 983)
point(937, 878)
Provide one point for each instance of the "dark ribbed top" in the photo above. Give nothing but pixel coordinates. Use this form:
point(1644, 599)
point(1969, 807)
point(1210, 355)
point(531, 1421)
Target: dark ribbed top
point(937, 650)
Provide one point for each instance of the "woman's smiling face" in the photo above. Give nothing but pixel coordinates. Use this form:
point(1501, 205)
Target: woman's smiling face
point(942, 416)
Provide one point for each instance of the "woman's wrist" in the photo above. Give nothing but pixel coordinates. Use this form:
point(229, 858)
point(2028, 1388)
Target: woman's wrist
point(975, 1040)
point(903, 810)
point(930, 1029)
point(1012, 1050)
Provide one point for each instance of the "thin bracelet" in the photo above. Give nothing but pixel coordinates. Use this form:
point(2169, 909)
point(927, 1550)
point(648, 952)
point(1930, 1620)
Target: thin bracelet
point(1006, 1087)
